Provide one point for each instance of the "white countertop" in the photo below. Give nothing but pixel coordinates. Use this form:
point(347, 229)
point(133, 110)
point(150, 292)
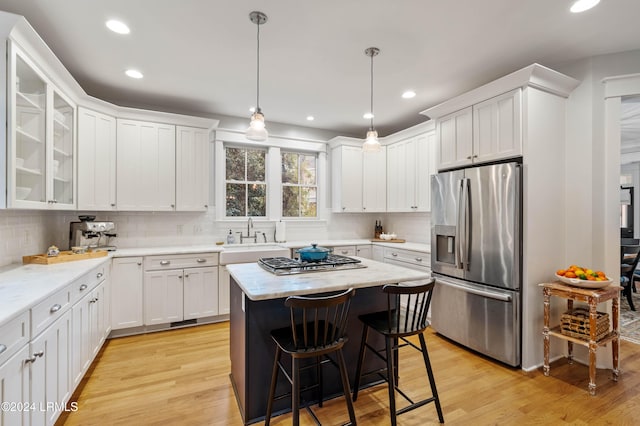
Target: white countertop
point(150, 251)
point(259, 284)
point(23, 286)
point(425, 248)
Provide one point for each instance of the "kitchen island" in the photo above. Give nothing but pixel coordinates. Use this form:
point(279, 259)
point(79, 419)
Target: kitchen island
point(257, 307)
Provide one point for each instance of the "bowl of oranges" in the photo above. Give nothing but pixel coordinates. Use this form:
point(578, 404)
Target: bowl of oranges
point(583, 277)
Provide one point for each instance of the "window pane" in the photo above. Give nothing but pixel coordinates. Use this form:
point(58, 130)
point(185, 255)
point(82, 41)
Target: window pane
point(308, 202)
point(257, 201)
point(289, 168)
point(255, 165)
point(235, 164)
point(308, 169)
point(290, 201)
point(236, 195)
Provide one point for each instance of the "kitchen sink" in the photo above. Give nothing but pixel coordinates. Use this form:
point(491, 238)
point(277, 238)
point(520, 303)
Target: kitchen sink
point(243, 253)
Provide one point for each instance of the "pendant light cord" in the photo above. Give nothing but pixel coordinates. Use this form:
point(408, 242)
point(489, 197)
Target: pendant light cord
point(258, 69)
point(371, 123)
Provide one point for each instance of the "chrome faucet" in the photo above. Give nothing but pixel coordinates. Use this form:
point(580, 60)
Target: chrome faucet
point(253, 237)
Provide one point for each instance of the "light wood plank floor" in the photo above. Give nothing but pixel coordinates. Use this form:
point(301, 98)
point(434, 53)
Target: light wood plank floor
point(180, 377)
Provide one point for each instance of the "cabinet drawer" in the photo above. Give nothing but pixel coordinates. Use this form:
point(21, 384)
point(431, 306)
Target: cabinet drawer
point(84, 285)
point(13, 335)
point(178, 261)
point(345, 250)
point(47, 311)
point(408, 256)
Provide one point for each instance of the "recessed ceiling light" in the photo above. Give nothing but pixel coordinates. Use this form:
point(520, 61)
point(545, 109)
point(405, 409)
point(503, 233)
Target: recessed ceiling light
point(134, 73)
point(368, 116)
point(310, 118)
point(118, 27)
point(582, 5)
point(409, 94)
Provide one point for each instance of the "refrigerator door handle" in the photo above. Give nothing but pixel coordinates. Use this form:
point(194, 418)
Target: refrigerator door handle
point(467, 222)
point(459, 243)
point(479, 292)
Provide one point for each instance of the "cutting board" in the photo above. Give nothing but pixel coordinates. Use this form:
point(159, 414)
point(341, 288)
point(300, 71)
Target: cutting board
point(64, 256)
point(380, 240)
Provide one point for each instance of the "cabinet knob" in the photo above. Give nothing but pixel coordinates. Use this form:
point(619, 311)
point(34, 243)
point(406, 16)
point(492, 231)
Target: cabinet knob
point(394, 254)
point(113, 204)
point(475, 156)
point(83, 287)
point(173, 206)
point(55, 308)
point(139, 263)
point(186, 275)
point(180, 276)
point(99, 275)
point(206, 206)
point(469, 157)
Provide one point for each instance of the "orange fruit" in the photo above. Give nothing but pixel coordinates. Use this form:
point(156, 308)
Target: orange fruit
point(561, 272)
point(570, 274)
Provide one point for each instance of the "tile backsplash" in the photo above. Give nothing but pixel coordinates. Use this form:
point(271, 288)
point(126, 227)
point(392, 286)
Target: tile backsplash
point(24, 232)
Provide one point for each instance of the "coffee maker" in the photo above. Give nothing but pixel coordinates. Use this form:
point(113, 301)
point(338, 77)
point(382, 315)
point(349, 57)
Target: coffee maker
point(91, 234)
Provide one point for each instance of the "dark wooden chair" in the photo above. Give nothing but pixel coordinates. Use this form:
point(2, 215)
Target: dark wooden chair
point(406, 315)
point(318, 328)
point(629, 257)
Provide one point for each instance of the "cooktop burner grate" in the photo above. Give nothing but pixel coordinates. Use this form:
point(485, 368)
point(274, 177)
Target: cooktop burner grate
point(287, 266)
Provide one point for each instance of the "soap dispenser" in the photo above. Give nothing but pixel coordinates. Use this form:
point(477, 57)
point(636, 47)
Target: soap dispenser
point(230, 238)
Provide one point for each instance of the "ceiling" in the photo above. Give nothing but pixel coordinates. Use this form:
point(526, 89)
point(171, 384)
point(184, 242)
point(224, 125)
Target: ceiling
point(199, 56)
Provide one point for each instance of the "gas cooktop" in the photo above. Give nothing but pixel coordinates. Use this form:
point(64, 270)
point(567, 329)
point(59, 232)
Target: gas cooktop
point(287, 266)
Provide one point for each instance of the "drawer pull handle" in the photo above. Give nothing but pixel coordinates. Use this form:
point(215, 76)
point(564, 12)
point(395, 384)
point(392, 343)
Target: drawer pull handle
point(55, 308)
point(83, 287)
point(99, 275)
point(394, 254)
point(164, 262)
point(139, 263)
point(418, 259)
point(94, 300)
point(186, 275)
point(2, 348)
point(35, 356)
point(201, 260)
point(344, 252)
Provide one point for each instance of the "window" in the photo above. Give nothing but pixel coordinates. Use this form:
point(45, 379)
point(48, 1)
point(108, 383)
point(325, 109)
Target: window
point(245, 183)
point(299, 185)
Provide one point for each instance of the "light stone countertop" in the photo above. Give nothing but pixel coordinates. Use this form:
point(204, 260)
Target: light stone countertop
point(151, 251)
point(259, 284)
point(425, 248)
point(23, 286)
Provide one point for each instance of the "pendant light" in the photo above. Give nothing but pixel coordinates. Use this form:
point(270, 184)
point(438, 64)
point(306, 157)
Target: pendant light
point(371, 143)
point(257, 130)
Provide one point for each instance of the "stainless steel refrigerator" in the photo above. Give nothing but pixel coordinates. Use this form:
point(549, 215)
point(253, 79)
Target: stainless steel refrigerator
point(476, 242)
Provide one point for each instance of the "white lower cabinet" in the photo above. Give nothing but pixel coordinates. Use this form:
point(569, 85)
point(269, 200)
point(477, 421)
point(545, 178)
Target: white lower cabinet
point(49, 364)
point(408, 258)
point(163, 296)
point(364, 251)
point(201, 292)
point(224, 284)
point(14, 388)
point(126, 292)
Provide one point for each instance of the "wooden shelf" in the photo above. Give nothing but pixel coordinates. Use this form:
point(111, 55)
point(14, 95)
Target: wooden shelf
point(556, 331)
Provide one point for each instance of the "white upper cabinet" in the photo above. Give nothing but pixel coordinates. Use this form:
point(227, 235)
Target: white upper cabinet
point(374, 181)
point(455, 139)
point(146, 166)
point(497, 130)
point(41, 129)
point(192, 169)
point(409, 167)
point(346, 166)
point(96, 160)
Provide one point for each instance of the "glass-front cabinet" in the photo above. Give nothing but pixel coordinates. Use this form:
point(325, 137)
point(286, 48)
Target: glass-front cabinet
point(41, 139)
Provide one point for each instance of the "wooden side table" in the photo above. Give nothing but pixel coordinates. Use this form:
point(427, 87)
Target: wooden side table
point(592, 297)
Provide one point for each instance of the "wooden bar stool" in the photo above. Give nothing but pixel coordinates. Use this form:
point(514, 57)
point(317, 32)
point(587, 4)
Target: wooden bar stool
point(406, 315)
point(318, 328)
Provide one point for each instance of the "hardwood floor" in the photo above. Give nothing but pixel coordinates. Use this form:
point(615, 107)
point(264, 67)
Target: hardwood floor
point(181, 377)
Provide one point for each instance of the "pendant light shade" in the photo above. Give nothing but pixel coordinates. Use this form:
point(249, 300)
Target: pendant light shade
point(371, 143)
point(257, 130)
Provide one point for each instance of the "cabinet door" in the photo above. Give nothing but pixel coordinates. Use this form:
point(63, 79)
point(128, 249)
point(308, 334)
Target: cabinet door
point(27, 126)
point(192, 169)
point(163, 296)
point(96, 161)
point(14, 387)
point(364, 251)
point(62, 171)
point(224, 291)
point(80, 340)
point(126, 292)
point(374, 181)
point(425, 167)
point(96, 319)
point(401, 176)
point(50, 374)
point(200, 292)
point(347, 179)
point(455, 139)
point(145, 166)
point(497, 130)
